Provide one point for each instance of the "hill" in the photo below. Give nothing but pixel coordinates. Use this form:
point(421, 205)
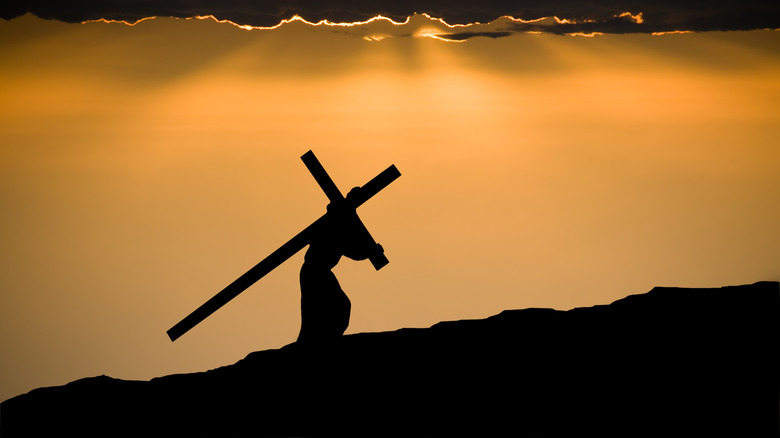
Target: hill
point(671, 361)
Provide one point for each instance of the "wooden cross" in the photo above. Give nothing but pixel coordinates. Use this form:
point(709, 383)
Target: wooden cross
point(276, 258)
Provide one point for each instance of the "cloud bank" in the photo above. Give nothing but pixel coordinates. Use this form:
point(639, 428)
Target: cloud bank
point(573, 16)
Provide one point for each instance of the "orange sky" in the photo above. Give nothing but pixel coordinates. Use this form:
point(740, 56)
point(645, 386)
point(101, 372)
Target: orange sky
point(143, 168)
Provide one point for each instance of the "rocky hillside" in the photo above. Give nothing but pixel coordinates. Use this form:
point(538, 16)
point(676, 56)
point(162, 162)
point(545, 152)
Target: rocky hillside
point(668, 362)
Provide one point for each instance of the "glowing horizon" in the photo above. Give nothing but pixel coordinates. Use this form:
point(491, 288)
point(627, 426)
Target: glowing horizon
point(420, 32)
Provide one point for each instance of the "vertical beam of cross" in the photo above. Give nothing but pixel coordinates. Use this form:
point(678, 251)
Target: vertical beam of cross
point(321, 176)
point(378, 258)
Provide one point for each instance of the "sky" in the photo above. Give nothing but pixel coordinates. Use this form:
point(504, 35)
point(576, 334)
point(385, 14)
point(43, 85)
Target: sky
point(144, 165)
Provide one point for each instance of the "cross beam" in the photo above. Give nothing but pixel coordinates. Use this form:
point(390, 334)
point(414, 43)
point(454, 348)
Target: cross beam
point(293, 245)
point(378, 260)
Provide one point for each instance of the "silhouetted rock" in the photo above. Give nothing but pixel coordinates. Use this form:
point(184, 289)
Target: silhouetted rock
point(669, 362)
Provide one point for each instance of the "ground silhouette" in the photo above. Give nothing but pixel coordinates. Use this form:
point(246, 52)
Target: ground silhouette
point(668, 362)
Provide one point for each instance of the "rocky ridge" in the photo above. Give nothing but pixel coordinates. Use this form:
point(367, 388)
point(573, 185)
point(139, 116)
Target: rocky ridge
point(670, 361)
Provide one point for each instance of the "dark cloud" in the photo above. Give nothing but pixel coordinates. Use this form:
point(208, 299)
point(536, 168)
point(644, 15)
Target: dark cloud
point(582, 16)
point(463, 36)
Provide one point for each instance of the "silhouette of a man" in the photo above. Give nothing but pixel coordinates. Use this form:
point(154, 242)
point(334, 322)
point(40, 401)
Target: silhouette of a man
point(325, 308)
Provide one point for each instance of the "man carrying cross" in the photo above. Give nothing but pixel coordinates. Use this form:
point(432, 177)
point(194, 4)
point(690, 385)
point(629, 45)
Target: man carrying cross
point(325, 308)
